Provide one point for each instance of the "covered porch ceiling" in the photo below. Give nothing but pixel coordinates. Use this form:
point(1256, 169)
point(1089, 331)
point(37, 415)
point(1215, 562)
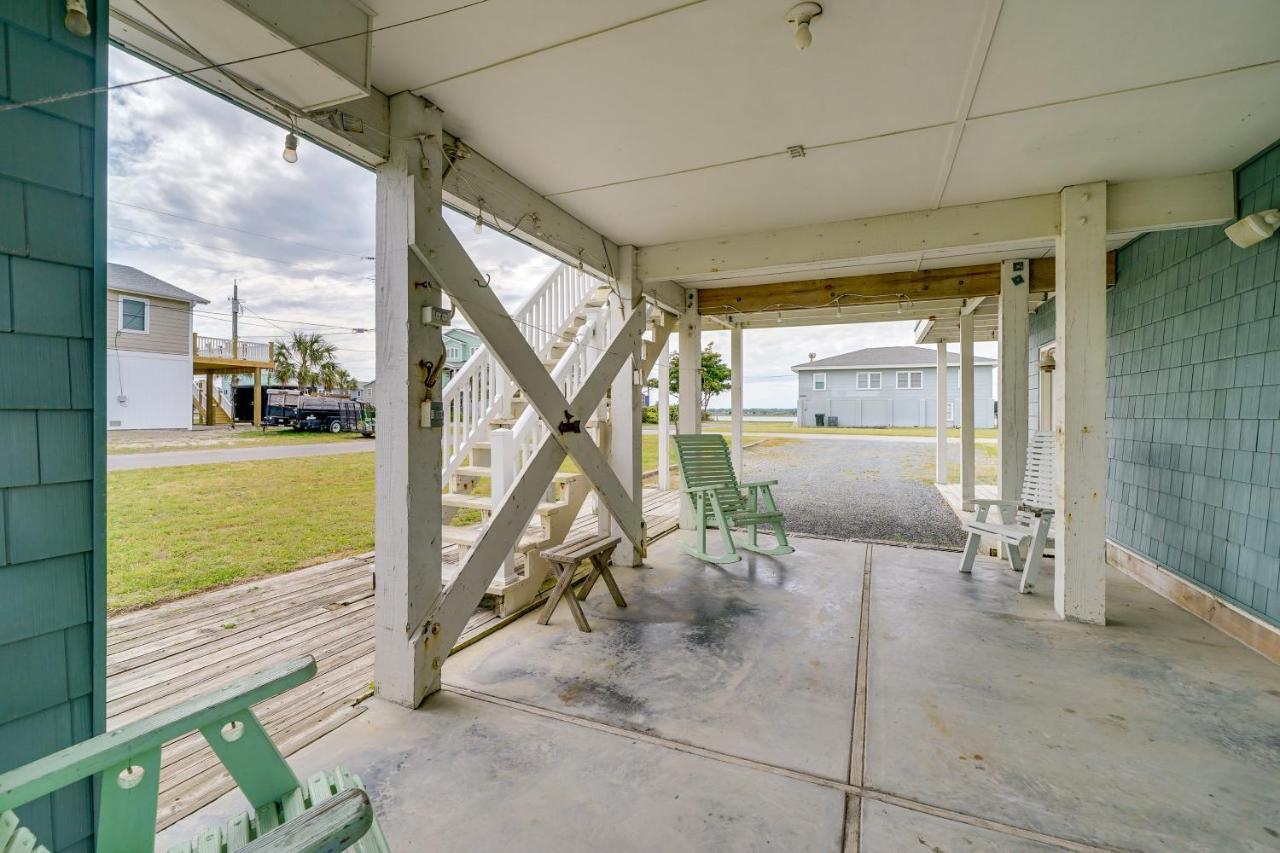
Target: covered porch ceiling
point(697, 132)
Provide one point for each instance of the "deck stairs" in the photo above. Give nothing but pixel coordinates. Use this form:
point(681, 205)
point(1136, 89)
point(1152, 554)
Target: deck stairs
point(490, 429)
point(222, 410)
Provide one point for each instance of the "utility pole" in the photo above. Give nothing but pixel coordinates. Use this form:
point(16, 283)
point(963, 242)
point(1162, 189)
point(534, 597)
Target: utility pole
point(235, 319)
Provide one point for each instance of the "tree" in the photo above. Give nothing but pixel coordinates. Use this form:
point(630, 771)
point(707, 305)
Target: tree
point(716, 376)
point(307, 360)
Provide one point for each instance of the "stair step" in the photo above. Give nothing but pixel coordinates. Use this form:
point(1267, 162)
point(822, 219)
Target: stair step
point(468, 536)
point(498, 423)
point(482, 503)
point(483, 471)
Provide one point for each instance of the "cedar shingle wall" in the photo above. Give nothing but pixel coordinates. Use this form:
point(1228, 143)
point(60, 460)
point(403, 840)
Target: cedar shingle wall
point(1193, 398)
point(51, 434)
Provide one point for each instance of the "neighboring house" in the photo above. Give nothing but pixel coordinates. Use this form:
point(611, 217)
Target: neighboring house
point(889, 387)
point(364, 393)
point(148, 351)
point(459, 344)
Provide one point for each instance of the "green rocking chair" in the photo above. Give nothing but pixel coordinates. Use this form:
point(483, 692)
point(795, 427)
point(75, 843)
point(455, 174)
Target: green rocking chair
point(718, 500)
point(327, 812)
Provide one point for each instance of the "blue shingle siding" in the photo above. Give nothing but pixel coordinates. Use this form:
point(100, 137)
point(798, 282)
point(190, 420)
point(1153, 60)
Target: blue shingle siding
point(1193, 398)
point(52, 445)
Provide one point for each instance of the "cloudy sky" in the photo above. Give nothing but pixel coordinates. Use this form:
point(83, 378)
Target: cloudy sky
point(200, 196)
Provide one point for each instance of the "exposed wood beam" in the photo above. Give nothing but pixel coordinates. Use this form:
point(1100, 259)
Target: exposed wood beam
point(990, 226)
point(897, 288)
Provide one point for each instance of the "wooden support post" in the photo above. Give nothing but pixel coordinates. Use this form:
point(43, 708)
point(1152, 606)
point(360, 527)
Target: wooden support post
point(257, 396)
point(940, 476)
point(625, 403)
point(1014, 363)
point(1079, 406)
point(664, 416)
point(966, 413)
point(407, 518)
point(690, 418)
point(209, 419)
point(735, 396)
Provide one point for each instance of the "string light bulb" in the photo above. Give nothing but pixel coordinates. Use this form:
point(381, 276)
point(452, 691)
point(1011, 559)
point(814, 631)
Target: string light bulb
point(77, 19)
point(479, 226)
point(800, 15)
point(290, 153)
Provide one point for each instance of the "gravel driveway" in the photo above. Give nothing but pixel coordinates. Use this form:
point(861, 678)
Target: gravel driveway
point(857, 490)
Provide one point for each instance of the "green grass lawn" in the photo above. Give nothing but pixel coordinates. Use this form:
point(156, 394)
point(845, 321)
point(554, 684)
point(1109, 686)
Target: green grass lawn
point(779, 426)
point(175, 531)
point(245, 436)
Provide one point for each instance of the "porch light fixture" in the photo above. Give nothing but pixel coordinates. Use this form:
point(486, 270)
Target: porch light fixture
point(77, 19)
point(1254, 228)
point(290, 148)
point(800, 15)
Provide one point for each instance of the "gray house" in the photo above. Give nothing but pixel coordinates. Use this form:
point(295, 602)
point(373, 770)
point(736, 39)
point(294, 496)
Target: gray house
point(889, 386)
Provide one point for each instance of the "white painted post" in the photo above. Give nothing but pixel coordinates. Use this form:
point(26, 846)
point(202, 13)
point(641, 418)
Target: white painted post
point(1015, 279)
point(966, 413)
point(625, 404)
point(407, 517)
point(690, 419)
point(612, 315)
point(735, 395)
point(941, 474)
point(502, 473)
point(1079, 406)
point(664, 416)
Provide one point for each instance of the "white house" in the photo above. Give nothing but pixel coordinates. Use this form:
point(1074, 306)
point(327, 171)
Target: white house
point(149, 351)
point(889, 387)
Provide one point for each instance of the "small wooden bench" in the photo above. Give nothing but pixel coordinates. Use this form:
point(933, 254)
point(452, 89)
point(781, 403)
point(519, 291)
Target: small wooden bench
point(706, 473)
point(1027, 520)
point(329, 812)
point(565, 559)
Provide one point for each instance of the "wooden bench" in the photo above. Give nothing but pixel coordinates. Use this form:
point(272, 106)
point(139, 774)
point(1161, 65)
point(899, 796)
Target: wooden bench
point(706, 474)
point(329, 812)
point(564, 560)
point(1027, 520)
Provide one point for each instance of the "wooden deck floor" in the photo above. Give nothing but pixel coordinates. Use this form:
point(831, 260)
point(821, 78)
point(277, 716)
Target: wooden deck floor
point(164, 654)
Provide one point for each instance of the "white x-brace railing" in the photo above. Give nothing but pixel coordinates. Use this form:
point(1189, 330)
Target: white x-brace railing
point(481, 390)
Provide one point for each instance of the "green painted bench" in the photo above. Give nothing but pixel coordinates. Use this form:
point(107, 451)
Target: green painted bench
point(330, 812)
point(717, 498)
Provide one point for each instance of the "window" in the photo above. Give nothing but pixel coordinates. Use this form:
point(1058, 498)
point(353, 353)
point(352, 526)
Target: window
point(133, 314)
point(951, 412)
point(454, 353)
point(867, 382)
point(910, 379)
point(819, 381)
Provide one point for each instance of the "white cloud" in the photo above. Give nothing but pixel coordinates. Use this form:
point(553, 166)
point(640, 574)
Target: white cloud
point(176, 148)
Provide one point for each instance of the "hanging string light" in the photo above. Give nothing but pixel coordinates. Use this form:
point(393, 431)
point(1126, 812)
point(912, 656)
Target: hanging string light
point(290, 153)
point(77, 19)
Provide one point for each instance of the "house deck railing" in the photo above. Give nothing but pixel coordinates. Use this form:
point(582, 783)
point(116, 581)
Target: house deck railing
point(230, 349)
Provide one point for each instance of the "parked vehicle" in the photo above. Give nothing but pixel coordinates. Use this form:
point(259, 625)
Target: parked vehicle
point(311, 412)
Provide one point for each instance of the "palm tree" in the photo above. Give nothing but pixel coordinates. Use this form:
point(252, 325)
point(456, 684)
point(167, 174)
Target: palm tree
point(306, 359)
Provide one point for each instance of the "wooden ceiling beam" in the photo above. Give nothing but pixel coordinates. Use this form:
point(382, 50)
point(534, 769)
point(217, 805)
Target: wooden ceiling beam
point(969, 282)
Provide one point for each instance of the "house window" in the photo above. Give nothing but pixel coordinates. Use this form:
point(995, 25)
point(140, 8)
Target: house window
point(454, 353)
point(819, 381)
point(951, 412)
point(133, 314)
point(867, 381)
point(910, 379)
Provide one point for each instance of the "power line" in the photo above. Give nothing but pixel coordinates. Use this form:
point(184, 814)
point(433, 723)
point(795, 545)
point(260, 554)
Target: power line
point(240, 230)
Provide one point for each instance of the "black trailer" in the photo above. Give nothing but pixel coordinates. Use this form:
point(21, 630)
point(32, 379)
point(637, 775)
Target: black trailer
point(311, 412)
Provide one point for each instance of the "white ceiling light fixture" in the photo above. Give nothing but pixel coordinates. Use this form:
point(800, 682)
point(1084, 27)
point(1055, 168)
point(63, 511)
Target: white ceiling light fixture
point(800, 16)
point(1254, 228)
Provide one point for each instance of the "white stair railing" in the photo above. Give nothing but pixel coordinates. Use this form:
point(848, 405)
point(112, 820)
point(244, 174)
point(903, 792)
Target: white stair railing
point(480, 390)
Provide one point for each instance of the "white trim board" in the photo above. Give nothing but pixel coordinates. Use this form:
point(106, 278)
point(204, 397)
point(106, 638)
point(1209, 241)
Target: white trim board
point(1234, 621)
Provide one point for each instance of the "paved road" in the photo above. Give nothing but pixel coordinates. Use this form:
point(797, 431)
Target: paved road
point(863, 489)
point(168, 459)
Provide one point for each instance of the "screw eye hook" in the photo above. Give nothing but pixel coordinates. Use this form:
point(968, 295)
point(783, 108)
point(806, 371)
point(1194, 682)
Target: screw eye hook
point(485, 283)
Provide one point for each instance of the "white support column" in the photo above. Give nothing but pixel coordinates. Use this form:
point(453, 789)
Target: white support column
point(502, 476)
point(941, 474)
point(664, 416)
point(407, 518)
point(1079, 406)
point(690, 419)
point(735, 395)
point(1014, 363)
point(966, 413)
point(625, 404)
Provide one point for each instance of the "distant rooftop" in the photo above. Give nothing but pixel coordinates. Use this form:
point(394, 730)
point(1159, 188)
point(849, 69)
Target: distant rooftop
point(132, 280)
point(886, 357)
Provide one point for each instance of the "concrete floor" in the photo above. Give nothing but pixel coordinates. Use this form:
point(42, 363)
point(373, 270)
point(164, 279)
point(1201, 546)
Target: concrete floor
point(718, 712)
